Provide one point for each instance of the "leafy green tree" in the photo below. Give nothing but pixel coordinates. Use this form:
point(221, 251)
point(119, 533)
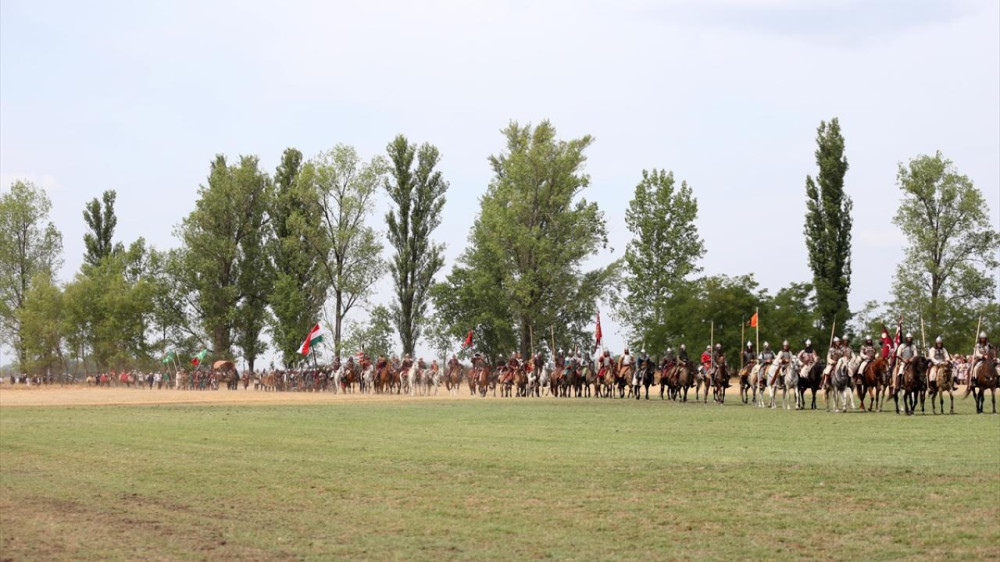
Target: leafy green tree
point(42, 327)
point(29, 244)
point(947, 275)
point(222, 240)
point(663, 252)
point(374, 336)
point(417, 196)
point(828, 227)
point(790, 315)
point(101, 221)
point(340, 190)
point(108, 307)
point(300, 285)
point(523, 273)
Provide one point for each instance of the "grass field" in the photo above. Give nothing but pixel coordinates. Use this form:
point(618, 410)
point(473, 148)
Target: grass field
point(495, 480)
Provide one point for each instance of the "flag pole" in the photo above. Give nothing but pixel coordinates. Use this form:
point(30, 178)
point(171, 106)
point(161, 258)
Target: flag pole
point(711, 345)
point(743, 325)
point(552, 334)
point(923, 337)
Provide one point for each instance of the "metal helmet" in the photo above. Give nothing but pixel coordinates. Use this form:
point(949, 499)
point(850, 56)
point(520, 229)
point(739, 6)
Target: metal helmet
point(982, 335)
point(766, 345)
point(718, 346)
point(669, 350)
point(808, 343)
point(836, 339)
point(938, 340)
point(683, 346)
point(560, 352)
point(868, 339)
point(749, 344)
point(909, 336)
point(845, 338)
point(643, 350)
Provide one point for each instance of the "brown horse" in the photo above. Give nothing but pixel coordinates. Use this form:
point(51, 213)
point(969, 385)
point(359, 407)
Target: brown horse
point(871, 382)
point(383, 379)
point(941, 383)
point(720, 381)
point(521, 382)
point(745, 384)
point(985, 378)
point(913, 386)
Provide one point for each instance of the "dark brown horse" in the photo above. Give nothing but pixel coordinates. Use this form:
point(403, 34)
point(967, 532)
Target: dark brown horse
point(811, 382)
point(913, 385)
point(720, 381)
point(871, 382)
point(986, 378)
point(745, 383)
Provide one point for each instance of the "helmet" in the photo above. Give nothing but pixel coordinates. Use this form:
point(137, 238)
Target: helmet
point(836, 340)
point(718, 346)
point(749, 344)
point(982, 335)
point(868, 338)
point(560, 351)
point(909, 336)
point(767, 344)
point(784, 342)
point(644, 350)
point(683, 346)
point(938, 340)
point(845, 338)
point(808, 343)
point(669, 350)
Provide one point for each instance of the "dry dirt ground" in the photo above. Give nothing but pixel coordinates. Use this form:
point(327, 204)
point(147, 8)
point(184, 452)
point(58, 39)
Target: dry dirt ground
point(42, 396)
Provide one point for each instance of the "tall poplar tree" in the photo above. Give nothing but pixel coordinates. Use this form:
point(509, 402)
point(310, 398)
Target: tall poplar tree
point(101, 220)
point(417, 195)
point(828, 227)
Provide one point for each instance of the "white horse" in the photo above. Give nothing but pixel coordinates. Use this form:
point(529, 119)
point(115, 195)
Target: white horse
point(368, 378)
point(338, 377)
point(839, 388)
point(545, 378)
point(411, 379)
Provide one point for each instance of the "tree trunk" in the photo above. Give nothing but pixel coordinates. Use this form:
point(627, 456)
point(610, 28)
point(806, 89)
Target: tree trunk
point(338, 319)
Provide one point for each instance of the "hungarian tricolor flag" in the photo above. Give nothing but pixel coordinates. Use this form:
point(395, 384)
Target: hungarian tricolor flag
point(312, 338)
point(753, 320)
point(468, 340)
point(598, 336)
point(199, 358)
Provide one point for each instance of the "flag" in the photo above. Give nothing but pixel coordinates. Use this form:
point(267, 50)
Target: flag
point(753, 321)
point(312, 338)
point(598, 336)
point(468, 340)
point(895, 343)
point(169, 357)
point(886, 342)
point(199, 358)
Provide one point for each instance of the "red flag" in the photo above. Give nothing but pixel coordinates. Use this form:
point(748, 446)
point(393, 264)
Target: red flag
point(597, 333)
point(468, 340)
point(898, 338)
point(886, 342)
point(753, 320)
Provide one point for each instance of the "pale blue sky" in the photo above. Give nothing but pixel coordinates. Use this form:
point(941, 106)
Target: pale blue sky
point(139, 96)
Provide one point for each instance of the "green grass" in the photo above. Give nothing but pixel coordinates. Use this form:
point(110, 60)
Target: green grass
point(496, 480)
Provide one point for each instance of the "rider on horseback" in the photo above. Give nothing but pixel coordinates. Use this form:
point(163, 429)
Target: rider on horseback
point(868, 352)
point(939, 359)
point(807, 357)
point(784, 358)
point(981, 353)
point(846, 356)
point(833, 356)
point(905, 354)
point(766, 359)
point(718, 360)
point(682, 355)
point(749, 358)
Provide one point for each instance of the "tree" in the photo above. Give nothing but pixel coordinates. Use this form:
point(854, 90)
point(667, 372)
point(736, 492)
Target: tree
point(108, 307)
point(828, 227)
point(417, 195)
point(42, 327)
point(523, 273)
point(339, 189)
point(373, 336)
point(300, 285)
point(102, 222)
point(948, 268)
point(664, 249)
point(29, 245)
point(222, 239)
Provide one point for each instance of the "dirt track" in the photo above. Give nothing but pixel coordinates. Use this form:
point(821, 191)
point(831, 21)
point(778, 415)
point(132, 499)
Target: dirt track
point(89, 396)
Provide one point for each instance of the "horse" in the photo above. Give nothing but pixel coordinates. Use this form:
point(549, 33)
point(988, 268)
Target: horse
point(623, 376)
point(871, 383)
point(985, 378)
point(720, 381)
point(544, 379)
point(811, 382)
point(745, 383)
point(521, 382)
point(483, 377)
point(838, 389)
point(643, 377)
point(942, 383)
point(682, 378)
point(791, 380)
point(556, 381)
point(589, 376)
point(760, 381)
point(913, 385)
point(453, 381)
point(702, 378)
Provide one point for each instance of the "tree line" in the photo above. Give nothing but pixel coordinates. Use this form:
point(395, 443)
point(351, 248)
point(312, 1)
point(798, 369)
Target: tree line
point(273, 253)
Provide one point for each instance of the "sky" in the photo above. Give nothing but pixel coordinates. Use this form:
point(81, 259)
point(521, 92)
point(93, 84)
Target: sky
point(139, 96)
